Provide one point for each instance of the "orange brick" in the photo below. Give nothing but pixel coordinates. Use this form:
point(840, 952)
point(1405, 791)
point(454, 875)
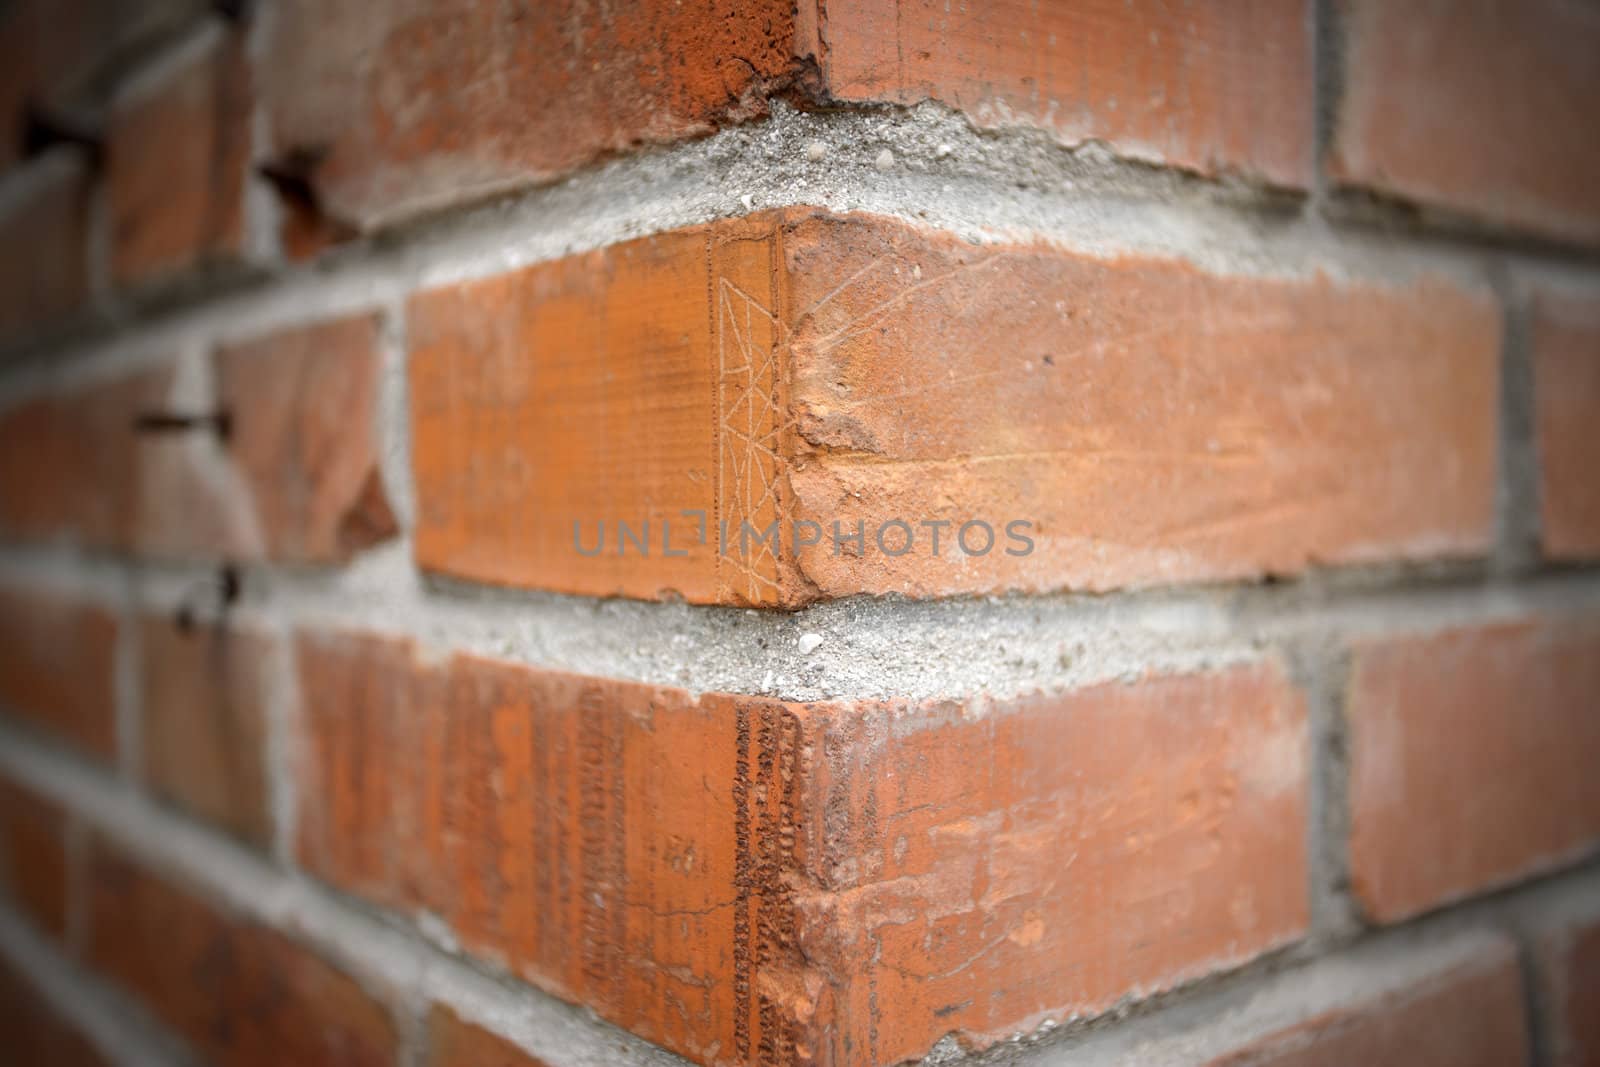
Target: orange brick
point(409, 108)
point(240, 994)
point(177, 153)
point(1480, 107)
point(1566, 373)
point(32, 1031)
point(299, 483)
point(57, 668)
point(304, 405)
point(1212, 87)
point(33, 858)
point(1472, 756)
point(454, 1042)
point(739, 879)
point(1469, 1017)
point(1569, 961)
point(50, 219)
point(204, 723)
point(1153, 422)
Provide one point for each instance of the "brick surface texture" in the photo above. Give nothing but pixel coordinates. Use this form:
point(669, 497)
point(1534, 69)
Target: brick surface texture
point(800, 533)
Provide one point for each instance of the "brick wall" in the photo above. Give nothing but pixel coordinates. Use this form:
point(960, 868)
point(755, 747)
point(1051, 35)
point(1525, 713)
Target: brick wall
point(825, 533)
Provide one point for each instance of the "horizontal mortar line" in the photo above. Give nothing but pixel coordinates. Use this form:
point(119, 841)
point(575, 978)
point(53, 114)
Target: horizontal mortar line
point(1102, 210)
point(988, 649)
point(384, 955)
point(85, 1002)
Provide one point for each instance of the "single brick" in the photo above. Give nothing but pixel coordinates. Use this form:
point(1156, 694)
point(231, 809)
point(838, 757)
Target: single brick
point(33, 858)
point(45, 212)
point(304, 407)
point(177, 153)
point(454, 1042)
point(1478, 106)
point(1566, 376)
point(203, 733)
point(405, 108)
point(239, 993)
point(32, 1030)
point(1153, 422)
point(57, 658)
point(739, 879)
point(1472, 756)
point(1469, 1016)
point(1211, 87)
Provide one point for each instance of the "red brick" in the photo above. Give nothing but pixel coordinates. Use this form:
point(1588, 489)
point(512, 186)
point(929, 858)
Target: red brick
point(454, 1042)
point(1481, 107)
point(1569, 961)
point(1469, 1017)
point(1472, 756)
point(1211, 87)
point(177, 153)
point(1154, 422)
point(740, 879)
point(299, 483)
point(204, 722)
point(49, 218)
point(407, 108)
point(33, 858)
point(304, 405)
point(239, 993)
point(32, 1031)
point(57, 668)
point(1566, 374)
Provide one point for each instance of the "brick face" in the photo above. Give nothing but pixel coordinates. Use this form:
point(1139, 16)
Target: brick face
point(454, 1042)
point(297, 481)
point(304, 403)
point(176, 159)
point(1215, 88)
point(1566, 374)
point(1470, 1017)
point(49, 219)
point(240, 994)
point(56, 668)
point(33, 859)
point(1480, 107)
point(740, 879)
point(203, 739)
point(801, 366)
point(1570, 963)
point(1471, 760)
point(32, 1031)
point(410, 106)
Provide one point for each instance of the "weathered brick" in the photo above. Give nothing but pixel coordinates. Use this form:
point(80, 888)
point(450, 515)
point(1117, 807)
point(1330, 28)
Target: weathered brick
point(1568, 957)
point(454, 1042)
point(1153, 422)
point(239, 993)
point(177, 153)
point(405, 107)
point(1472, 756)
point(46, 211)
point(304, 407)
point(203, 733)
point(1470, 1016)
point(1212, 87)
point(1566, 376)
point(57, 668)
point(297, 481)
point(32, 1030)
point(33, 858)
point(1480, 107)
point(739, 879)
